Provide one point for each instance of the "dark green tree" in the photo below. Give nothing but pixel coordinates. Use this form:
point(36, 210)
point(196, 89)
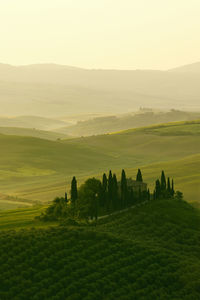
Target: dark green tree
point(124, 190)
point(157, 189)
point(74, 192)
point(139, 176)
point(104, 191)
point(66, 200)
point(172, 188)
point(110, 192)
point(178, 195)
point(168, 185)
point(163, 182)
point(88, 201)
point(115, 200)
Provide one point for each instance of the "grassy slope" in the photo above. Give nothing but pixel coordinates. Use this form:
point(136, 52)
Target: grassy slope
point(42, 134)
point(38, 169)
point(150, 252)
point(108, 124)
point(21, 218)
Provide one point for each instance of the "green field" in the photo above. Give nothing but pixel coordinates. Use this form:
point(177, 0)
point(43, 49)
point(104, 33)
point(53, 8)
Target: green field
point(37, 170)
point(22, 218)
point(149, 252)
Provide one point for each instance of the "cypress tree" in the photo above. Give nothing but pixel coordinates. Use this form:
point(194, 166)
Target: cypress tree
point(163, 183)
point(110, 192)
point(104, 182)
point(157, 189)
point(168, 188)
point(172, 188)
point(139, 176)
point(115, 200)
point(104, 190)
point(74, 192)
point(123, 189)
point(66, 200)
point(168, 185)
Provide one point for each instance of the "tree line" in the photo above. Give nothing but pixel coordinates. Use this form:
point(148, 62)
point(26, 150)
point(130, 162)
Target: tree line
point(96, 197)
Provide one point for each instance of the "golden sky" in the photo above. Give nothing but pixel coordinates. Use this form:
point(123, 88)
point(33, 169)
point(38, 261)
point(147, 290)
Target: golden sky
point(120, 34)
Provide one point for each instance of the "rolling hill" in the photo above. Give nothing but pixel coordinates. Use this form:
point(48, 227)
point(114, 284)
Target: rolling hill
point(108, 124)
point(150, 252)
point(42, 134)
point(192, 68)
point(32, 122)
point(29, 90)
point(38, 170)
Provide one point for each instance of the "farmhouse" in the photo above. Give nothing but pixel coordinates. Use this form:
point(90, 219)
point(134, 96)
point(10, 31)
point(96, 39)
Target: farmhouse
point(136, 185)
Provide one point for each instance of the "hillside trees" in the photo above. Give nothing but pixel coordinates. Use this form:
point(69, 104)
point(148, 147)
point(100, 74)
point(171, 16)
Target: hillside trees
point(89, 196)
point(115, 196)
point(97, 198)
point(124, 190)
point(74, 191)
point(110, 192)
point(58, 209)
point(104, 190)
point(164, 189)
point(139, 176)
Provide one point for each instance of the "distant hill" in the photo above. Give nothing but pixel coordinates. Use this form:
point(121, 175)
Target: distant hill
point(31, 122)
point(101, 125)
point(191, 68)
point(42, 134)
point(52, 90)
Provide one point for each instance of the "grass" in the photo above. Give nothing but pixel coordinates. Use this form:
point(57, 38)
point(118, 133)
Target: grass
point(22, 218)
point(38, 170)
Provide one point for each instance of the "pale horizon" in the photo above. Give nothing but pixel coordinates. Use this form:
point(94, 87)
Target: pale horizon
point(106, 34)
point(85, 68)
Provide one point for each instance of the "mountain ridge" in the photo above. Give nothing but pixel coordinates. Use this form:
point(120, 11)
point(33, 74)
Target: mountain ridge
point(70, 67)
point(67, 90)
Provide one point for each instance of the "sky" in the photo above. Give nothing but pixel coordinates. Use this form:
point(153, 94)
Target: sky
point(100, 34)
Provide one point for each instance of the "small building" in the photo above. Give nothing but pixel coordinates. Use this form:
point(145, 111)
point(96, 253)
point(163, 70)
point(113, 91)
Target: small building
point(136, 185)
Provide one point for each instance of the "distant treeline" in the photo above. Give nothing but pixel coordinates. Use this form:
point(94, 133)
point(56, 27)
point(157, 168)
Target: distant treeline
point(96, 197)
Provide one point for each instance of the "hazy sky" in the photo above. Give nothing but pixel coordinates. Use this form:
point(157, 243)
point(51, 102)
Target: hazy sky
point(125, 34)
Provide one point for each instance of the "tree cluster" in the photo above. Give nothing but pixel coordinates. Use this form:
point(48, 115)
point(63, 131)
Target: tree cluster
point(164, 188)
point(101, 197)
point(96, 197)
